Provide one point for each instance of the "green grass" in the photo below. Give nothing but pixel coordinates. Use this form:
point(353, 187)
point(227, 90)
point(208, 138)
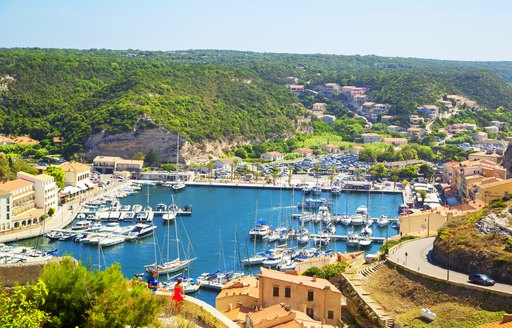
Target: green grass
point(450, 315)
point(316, 141)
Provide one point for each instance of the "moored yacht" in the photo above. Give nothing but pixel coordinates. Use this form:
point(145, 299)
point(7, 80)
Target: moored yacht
point(260, 231)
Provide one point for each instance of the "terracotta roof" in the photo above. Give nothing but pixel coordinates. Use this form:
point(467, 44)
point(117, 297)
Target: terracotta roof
point(505, 323)
point(303, 280)
point(357, 147)
point(15, 184)
point(246, 285)
point(269, 313)
point(289, 324)
point(237, 314)
point(74, 167)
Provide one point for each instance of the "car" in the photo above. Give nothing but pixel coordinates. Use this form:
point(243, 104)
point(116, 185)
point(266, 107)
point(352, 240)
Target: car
point(481, 279)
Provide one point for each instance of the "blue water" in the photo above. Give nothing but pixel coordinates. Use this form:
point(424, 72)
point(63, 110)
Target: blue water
point(219, 211)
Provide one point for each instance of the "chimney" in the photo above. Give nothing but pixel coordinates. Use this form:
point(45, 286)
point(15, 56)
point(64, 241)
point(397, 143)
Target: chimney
point(314, 278)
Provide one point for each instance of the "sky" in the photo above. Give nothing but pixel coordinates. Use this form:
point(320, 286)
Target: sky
point(439, 29)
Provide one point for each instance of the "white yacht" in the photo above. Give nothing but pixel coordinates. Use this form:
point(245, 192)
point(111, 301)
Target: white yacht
point(260, 231)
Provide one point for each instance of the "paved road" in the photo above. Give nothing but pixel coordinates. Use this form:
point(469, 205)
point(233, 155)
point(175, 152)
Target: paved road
point(417, 259)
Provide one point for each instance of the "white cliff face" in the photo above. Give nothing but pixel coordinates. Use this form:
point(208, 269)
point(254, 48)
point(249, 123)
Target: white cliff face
point(127, 144)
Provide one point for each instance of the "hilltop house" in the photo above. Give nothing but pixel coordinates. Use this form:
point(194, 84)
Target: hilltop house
point(430, 111)
point(329, 119)
point(303, 152)
point(319, 106)
point(371, 137)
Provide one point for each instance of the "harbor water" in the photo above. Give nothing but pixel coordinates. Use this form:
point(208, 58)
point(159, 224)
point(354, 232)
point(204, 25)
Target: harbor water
point(217, 232)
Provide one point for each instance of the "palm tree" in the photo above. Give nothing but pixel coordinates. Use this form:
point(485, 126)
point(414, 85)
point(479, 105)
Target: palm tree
point(210, 166)
point(275, 173)
point(423, 195)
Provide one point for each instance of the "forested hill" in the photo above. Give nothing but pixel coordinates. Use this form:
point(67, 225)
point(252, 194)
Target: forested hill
point(73, 93)
point(208, 94)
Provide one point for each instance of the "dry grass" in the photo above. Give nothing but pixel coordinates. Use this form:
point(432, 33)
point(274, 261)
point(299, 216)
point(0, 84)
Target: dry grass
point(404, 295)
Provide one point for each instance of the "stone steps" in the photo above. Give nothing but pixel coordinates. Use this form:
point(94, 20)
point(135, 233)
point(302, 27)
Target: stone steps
point(366, 272)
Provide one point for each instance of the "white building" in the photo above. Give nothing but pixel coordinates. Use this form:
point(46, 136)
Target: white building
point(46, 192)
point(5, 211)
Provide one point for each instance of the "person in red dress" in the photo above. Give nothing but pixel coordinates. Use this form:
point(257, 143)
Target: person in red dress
point(178, 295)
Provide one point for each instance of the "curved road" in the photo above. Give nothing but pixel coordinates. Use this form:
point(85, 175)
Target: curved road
point(417, 260)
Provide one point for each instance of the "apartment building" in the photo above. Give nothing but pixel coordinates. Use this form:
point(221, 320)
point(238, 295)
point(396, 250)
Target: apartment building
point(109, 164)
point(317, 297)
point(5, 210)
point(46, 192)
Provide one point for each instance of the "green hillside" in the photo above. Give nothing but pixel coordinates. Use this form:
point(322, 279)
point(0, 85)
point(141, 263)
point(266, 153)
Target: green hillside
point(73, 93)
point(207, 94)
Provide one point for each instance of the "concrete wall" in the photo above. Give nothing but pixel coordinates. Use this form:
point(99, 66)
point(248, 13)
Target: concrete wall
point(420, 223)
point(20, 273)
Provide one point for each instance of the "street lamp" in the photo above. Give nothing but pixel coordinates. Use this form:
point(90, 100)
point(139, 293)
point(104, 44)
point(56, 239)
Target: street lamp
point(448, 266)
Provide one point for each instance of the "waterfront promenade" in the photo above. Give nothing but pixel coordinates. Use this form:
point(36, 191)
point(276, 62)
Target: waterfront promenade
point(62, 217)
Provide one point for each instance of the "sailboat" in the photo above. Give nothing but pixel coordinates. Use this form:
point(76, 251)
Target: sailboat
point(169, 266)
point(256, 258)
point(171, 214)
point(179, 185)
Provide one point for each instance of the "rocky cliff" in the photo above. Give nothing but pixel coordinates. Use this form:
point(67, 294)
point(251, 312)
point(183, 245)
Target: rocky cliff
point(164, 142)
point(507, 160)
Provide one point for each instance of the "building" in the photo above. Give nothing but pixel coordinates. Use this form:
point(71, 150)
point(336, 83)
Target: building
point(480, 136)
point(371, 137)
point(281, 316)
point(317, 297)
point(415, 119)
point(492, 129)
point(46, 192)
point(272, 156)
point(402, 164)
point(225, 163)
point(22, 210)
point(489, 156)
point(329, 119)
point(397, 142)
point(467, 175)
point(499, 125)
point(386, 118)
point(396, 128)
point(297, 88)
point(430, 111)
point(330, 148)
point(415, 132)
point(446, 103)
point(110, 164)
point(332, 88)
point(77, 175)
point(320, 106)
point(355, 150)
point(303, 152)
point(5, 210)
point(242, 292)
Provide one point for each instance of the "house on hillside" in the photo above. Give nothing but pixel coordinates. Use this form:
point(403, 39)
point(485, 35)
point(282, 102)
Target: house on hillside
point(303, 152)
point(371, 137)
point(272, 156)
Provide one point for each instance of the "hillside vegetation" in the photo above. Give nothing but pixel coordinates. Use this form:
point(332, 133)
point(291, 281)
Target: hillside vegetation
point(210, 95)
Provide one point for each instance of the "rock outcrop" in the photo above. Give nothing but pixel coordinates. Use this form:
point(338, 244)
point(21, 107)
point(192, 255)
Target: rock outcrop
point(496, 223)
point(164, 142)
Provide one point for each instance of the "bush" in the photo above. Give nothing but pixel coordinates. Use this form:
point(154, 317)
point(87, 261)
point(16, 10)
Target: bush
point(497, 203)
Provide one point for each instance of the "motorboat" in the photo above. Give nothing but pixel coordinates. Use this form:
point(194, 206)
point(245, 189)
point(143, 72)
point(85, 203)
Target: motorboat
point(260, 231)
point(362, 210)
point(137, 208)
point(216, 280)
point(357, 220)
point(330, 229)
point(395, 224)
point(111, 240)
point(382, 221)
point(352, 238)
point(185, 210)
point(316, 190)
point(312, 203)
point(168, 217)
point(303, 236)
point(140, 230)
point(365, 241)
point(272, 236)
point(128, 216)
point(335, 191)
point(82, 225)
point(307, 190)
point(179, 185)
point(81, 216)
point(345, 220)
point(366, 231)
point(161, 207)
point(190, 285)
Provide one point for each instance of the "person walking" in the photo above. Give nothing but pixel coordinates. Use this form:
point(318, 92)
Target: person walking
point(178, 295)
point(153, 282)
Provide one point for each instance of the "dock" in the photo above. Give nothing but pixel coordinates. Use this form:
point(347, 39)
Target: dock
point(344, 237)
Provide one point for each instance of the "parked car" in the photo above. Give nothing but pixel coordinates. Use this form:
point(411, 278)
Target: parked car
point(481, 279)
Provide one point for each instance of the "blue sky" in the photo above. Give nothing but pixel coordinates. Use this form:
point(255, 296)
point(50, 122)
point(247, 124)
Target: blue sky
point(443, 29)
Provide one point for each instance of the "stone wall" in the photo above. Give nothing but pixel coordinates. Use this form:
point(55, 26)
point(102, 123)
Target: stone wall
point(507, 161)
point(20, 273)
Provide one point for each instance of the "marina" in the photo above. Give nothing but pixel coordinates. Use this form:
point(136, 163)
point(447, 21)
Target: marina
point(227, 209)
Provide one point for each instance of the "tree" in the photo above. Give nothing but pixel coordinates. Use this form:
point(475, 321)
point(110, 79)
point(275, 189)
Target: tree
point(423, 195)
point(151, 158)
point(20, 308)
point(408, 172)
point(426, 170)
point(275, 173)
point(81, 298)
point(57, 174)
point(51, 211)
point(378, 170)
point(139, 156)
point(241, 152)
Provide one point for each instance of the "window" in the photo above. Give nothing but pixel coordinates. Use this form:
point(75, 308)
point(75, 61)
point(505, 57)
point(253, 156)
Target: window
point(287, 292)
point(330, 314)
point(310, 312)
point(276, 291)
point(310, 295)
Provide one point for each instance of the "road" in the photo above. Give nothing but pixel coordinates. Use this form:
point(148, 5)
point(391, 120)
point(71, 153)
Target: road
point(417, 260)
